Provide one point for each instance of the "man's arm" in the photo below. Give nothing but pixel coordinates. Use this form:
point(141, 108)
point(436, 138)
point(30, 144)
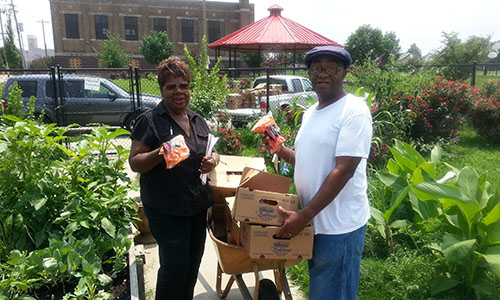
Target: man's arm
point(331, 187)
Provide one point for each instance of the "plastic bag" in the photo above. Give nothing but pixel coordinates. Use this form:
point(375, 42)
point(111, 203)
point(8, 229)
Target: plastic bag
point(174, 151)
point(268, 126)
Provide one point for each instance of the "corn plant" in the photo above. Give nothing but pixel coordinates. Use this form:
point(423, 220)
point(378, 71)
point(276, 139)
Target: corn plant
point(470, 246)
point(405, 168)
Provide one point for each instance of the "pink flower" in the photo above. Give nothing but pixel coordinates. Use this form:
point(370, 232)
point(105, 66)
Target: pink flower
point(464, 85)
point(430, 109)
point(441, 99)
point(458, 109)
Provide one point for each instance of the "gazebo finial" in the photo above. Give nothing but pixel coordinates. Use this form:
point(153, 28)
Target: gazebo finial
point(275, 9)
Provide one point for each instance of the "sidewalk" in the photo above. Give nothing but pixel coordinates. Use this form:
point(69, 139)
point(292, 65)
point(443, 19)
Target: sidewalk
point(206, 285)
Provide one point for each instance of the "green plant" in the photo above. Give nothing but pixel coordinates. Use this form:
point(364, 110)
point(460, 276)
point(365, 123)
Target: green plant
point(16, 106)
point(111, 54)
point(208, 88)
point(64, 211)
point(469, 248)
point(485, 114)
point(229, 142)
point(405, 168)
point(156, 47)
point(439, 110)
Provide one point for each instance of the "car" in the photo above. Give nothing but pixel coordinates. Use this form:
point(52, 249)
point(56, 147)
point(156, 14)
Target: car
point(86, 100)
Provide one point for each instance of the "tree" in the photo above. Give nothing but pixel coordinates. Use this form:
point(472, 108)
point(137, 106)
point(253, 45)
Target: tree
point(370, 43)
point(415, 51)
point(111, 54)
point(475, 49)
point(253, 59)
point(156, 47)
point(43, 62)
point(10, 51)
point(208, 88)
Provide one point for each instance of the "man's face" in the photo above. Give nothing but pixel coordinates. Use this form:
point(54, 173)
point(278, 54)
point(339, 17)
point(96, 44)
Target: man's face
point(327, 75)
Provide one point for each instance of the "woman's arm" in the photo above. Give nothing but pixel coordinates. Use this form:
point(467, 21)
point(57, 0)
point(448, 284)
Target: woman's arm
point(142, 159)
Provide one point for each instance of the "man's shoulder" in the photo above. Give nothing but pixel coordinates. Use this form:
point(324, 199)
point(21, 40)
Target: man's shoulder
point(357, 103)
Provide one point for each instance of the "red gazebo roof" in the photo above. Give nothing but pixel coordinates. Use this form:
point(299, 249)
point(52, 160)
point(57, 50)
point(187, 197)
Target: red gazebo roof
point(273, 32)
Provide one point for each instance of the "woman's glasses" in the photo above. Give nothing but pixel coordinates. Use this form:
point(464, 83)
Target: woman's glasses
point(174, 86)
point(330, 70)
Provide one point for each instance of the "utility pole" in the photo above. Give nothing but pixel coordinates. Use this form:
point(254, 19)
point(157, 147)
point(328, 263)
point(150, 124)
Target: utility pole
point(43, 30)
point(18, 33)
point(2, 11)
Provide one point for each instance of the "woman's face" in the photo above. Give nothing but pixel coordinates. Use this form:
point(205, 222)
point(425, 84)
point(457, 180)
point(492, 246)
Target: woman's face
point(176, 94)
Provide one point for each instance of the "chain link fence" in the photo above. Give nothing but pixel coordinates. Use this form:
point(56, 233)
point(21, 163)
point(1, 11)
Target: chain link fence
point(115, 97)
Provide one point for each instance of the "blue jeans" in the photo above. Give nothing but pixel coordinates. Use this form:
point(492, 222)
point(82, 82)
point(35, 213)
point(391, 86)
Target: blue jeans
point(334, 268)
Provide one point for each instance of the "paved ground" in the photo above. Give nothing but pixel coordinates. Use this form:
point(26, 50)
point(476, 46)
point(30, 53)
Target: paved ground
point(206, 286)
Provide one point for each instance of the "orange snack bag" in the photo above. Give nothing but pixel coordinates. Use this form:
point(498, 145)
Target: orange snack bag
point(174, 151)
point(268, 126)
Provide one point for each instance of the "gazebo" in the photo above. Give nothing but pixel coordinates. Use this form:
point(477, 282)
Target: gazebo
point(274, 32)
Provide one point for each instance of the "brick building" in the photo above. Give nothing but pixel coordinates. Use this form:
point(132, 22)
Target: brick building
point(80, 26)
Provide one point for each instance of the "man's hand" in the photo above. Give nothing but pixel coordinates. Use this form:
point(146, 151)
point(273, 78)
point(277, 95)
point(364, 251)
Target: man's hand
point(266, 140)
point(294, 223)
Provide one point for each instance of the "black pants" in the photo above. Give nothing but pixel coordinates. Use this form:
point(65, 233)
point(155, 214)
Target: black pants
point(181, 242)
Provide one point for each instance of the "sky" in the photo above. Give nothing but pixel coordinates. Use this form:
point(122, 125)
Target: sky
point(421, 22)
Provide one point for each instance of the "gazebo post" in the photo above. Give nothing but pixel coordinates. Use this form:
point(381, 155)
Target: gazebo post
point(235, 63)
point(294, 50)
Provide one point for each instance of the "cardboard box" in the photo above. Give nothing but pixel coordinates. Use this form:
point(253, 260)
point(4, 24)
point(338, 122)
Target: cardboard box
point(224, 227)
point(259, 195)
point(260, 242)
point(226, 177)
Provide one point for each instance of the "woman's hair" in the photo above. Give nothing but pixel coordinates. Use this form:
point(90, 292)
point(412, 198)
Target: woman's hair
point(172, 67)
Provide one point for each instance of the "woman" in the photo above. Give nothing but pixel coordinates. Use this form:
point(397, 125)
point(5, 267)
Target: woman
point(175, 200)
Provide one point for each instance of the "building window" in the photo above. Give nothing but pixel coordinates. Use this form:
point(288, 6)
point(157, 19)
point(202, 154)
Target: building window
point(213, 31)
point(101, 27)
point(187, 31)
point(72, 30)
point(75, 62)
point(131, 33)
point(159, 24)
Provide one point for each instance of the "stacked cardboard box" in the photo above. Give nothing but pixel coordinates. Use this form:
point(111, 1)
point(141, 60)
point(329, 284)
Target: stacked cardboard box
point(234, 101)
point(250, 98)
point(249, 210)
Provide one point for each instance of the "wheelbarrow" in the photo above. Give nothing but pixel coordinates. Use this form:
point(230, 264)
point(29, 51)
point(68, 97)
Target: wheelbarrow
point(234, 261)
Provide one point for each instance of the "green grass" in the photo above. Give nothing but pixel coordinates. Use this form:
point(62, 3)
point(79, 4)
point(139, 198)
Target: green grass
point(147, 86)
point(474, 151)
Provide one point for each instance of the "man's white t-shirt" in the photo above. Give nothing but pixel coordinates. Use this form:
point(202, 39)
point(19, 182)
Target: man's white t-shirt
point(343, 128)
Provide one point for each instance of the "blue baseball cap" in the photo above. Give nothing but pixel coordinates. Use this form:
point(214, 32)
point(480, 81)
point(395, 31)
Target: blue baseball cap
point(338, 52)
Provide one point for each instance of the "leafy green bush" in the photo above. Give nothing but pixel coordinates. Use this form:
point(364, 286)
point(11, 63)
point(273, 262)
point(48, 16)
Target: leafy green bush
point(485, 115)
point(64, 212)
point(16, 107)
point(208, 88)
point(440, 109)
point(384, 81)
point(156, 47)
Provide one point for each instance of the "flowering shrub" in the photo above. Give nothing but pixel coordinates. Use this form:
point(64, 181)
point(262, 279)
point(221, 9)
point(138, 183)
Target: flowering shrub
point(229, 142)
point(440, 109)
point(485, 118)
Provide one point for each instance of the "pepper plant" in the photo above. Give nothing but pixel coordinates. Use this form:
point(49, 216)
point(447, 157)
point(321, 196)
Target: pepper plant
point(64, 211)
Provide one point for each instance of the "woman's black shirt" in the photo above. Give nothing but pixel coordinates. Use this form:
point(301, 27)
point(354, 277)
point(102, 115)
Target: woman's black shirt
point(177, 191)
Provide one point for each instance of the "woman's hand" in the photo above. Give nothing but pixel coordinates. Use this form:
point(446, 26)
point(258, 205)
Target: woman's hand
point(208, 163)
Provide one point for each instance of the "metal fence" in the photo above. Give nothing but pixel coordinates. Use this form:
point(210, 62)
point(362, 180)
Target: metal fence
point(115, 97)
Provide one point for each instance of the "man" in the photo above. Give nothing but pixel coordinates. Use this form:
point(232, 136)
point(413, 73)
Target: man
point(329, 157)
